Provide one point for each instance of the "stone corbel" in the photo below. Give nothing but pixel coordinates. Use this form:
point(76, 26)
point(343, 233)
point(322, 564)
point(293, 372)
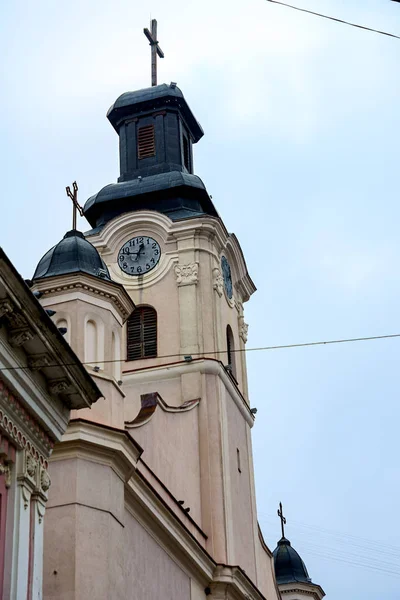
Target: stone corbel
point(39, 361)
point(243, 329)
point(61, 386)
point(187, 274)
point(5, 469)
point(18, 337)
point(6, 307)
point(218, 281)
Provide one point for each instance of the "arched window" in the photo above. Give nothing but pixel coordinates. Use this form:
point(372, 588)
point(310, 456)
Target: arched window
point(230, 346)
point(142, 333)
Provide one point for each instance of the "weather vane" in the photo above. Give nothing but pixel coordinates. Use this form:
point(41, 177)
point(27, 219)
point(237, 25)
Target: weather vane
point(155, 49)
point(282, 518)
point(75, 205)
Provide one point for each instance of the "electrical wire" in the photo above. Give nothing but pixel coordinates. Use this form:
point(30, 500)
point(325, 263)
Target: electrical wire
point(233, 350)
point(310, 12)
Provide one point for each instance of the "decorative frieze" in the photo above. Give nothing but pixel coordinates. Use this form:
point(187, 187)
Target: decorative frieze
point(187, 274)
point(12, 414)
point(218, 281)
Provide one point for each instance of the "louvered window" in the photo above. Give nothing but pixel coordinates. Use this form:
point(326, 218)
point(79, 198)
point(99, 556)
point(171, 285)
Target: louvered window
point(186, 153)
point(142, 333)
point(146, 142)
point(230, 347)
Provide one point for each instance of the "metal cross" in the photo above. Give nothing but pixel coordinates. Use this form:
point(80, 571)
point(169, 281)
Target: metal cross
point(75, 205)
point(155, 49)
point(282, 518)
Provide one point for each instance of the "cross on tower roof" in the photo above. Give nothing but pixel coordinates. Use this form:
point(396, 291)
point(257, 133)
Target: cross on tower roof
point(75, 204)
point(155, 49)
point(282, 518)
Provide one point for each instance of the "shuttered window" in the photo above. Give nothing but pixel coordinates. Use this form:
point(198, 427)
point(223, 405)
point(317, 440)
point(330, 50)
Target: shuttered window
point(142, 333)
point(146, 142)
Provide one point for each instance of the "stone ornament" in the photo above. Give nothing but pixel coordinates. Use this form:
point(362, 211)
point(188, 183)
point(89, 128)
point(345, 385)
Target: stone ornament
point(243, 329)
point(45, 480)
point(187, 274)
point(6, 307)
point(5, 469)
point(18, 337)
point(218, 281)
point(31, 465)
point(39, 361)
point(15, 410)
point(60, 386)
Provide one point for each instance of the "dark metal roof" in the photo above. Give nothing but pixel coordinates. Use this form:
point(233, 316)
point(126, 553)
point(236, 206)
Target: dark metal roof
point(289, 566)
point(178, 195)
point(153, 98)
point(71, 255)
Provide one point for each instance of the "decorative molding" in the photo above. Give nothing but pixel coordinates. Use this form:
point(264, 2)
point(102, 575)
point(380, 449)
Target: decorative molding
point(12, 414)
point(5, 469)
point(218, 281)
point(120, 298)
point(187, 274)
point(243, 328)
point(149, 403)
point(31, 465)
point(45, 481)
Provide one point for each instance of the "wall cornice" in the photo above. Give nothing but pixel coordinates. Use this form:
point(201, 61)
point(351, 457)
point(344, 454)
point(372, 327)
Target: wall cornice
point(94, 286)
point(200, 365)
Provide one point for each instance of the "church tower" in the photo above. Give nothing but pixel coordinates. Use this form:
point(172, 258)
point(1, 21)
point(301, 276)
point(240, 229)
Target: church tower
point(161, 238)
point(170, 283)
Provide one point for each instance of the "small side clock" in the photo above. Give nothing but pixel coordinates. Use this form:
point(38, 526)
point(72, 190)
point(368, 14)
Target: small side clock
point(139, 255)
point(226, 274)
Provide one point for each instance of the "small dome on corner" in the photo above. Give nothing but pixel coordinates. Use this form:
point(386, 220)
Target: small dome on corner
point(289, 566)
point(73, 254)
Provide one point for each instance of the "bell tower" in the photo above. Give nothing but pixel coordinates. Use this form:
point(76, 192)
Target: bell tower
point(185, 378)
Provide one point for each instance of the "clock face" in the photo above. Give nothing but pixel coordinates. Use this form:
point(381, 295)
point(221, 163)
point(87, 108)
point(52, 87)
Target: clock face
point(139, 255)
point(226, 274)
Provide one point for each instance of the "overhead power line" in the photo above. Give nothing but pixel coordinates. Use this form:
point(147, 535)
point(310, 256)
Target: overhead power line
point(311, 12)
point(205, 354)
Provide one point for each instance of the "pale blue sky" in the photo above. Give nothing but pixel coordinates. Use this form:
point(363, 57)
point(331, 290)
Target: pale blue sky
point(300, 154)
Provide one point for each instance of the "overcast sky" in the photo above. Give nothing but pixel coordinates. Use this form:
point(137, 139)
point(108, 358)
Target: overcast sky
point(300, 154)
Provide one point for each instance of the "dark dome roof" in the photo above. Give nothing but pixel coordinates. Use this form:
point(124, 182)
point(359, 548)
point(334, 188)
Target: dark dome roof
point(73, 254)
point(288, 565)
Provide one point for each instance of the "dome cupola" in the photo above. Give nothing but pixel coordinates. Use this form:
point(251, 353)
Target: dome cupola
point(73, 254)
point(289, 567)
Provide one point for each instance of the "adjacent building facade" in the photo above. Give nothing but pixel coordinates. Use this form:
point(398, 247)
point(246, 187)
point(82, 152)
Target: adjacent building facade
point(41, 380)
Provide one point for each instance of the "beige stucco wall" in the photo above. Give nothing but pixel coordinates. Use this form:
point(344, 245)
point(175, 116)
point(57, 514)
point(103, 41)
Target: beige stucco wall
point(96, 548)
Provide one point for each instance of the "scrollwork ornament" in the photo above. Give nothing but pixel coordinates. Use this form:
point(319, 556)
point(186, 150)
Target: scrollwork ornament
point(243, 329)
point(31, 465)
point(45, 480)
point(5, 469)
point(218, 281)
point(187, 274)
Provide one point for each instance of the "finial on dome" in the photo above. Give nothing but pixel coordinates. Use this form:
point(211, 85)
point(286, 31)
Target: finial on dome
point(282, 518)
point(75, 204)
